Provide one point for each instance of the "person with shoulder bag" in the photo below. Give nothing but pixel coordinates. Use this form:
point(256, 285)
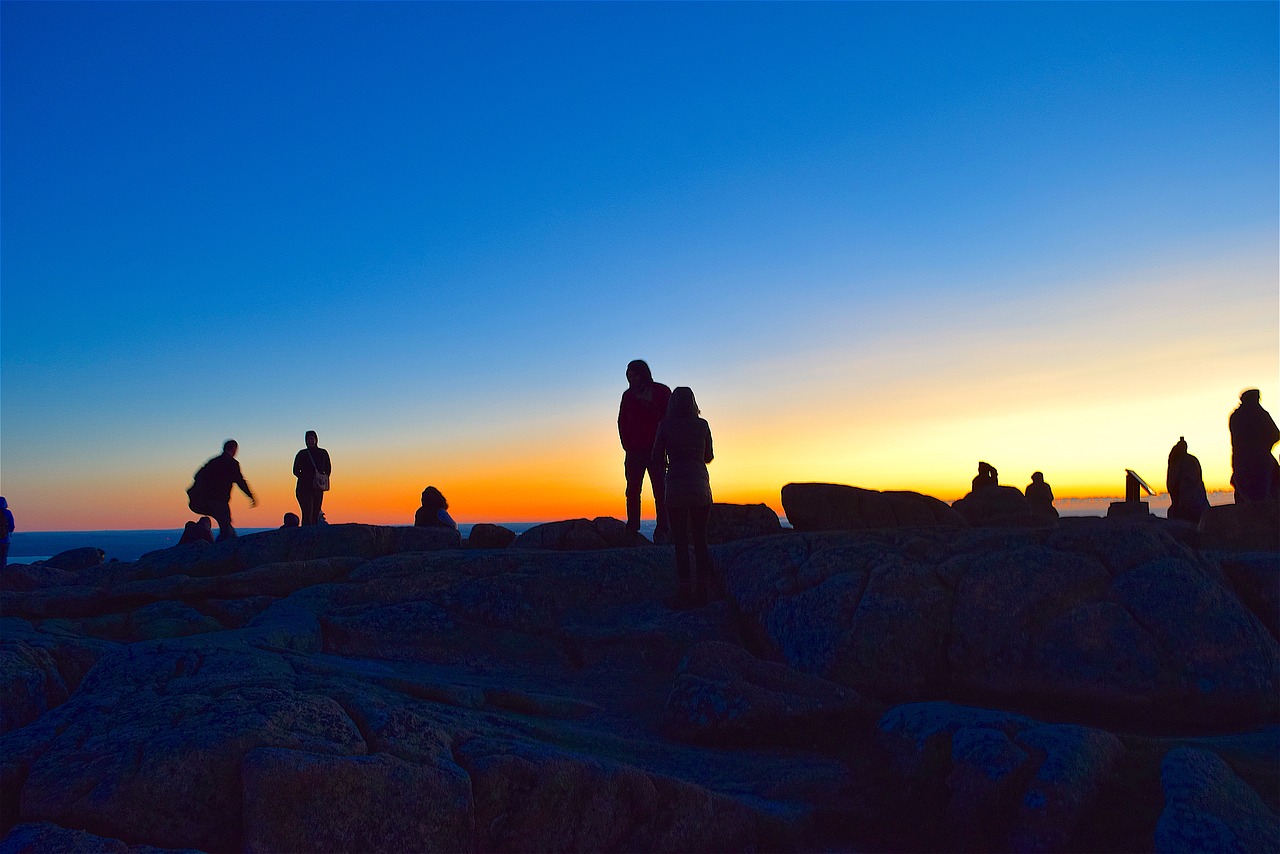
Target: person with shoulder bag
point(312, 467)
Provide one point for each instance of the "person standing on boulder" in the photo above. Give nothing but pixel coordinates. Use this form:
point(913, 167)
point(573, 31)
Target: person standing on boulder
point(683, 448)
point(644, 405)
point(1255, 474)
point(210, 495)
point(6, 528)
point(312, 468)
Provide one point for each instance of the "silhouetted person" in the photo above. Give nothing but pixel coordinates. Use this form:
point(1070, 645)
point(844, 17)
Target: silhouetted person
point(199, 531)
point(1255, 474)
point(1185, 482)
point(644, 405)
point(683, 448)
point(986, 477)
point(312, 468)
point(6, 529)
point(1040, 496)
point(434, 512)
point(210, 495)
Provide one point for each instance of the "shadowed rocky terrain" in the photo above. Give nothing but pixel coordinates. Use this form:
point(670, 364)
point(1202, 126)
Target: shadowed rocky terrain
point(1086, 686)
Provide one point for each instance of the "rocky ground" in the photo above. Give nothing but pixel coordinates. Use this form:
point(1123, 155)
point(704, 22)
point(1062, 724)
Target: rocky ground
point(1084, 686)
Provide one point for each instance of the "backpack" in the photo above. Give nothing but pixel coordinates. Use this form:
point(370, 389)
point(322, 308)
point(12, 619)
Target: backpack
point(197, 498)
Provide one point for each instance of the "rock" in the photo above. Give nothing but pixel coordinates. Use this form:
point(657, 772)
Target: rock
point(997, 506)
point(74, 560)
point(485, 536)
point(1034, 783)
point(1255, 578)
point(603, 532)
point(1209, 808)
point(833, 507)
point(1083, 622)
point(728, 522)
point(299, 801)
point(724, 695)
point(40, 669)
point(1246, 527)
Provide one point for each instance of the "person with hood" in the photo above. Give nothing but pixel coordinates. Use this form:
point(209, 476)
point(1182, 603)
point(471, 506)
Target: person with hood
point(1185, 482)
point(644, 405)
point(682, 448)
point(312, 468)
point(1255, 474)
point(6, 528)
point(210, 494)
point(1040, 496)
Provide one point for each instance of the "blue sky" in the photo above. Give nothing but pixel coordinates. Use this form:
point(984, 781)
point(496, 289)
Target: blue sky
point(437, 232)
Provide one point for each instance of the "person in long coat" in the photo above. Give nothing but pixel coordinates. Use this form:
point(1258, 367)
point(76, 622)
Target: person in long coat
point(682, 448)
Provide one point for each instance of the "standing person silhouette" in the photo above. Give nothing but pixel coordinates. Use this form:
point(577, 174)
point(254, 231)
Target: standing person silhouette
point(1255, 474)
point(644, 404)
point(6, 529)
point(683, 447)
point(312, 468)
point(210, 495)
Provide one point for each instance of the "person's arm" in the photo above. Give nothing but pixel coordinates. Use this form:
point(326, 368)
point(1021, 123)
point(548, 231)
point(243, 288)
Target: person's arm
point(244, 486)
point(443, 516)
point(709, 454)
point(9, 518)
point(328, 463)
point(622, 414)
point(298, 470)
point(658, 455)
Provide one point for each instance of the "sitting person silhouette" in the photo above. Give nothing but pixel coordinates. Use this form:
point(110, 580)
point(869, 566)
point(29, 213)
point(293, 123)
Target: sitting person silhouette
point(1185, 482)
point(986, 477)
point(434, 512)
point(1040, 496)
point(200, 531)
point(291, 520)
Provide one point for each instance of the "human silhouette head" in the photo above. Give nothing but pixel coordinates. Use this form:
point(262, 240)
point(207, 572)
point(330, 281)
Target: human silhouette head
point(205, 522)
point(433, 499)
point(683, 404)
point(230, 447)
point(312, 439)
point(291, 520)
point(1179, 448)
point(638, 373)
point(1037, 477)
point(1250, 395)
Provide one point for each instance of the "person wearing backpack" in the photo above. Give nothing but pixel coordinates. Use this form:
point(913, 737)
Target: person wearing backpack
point(312, 468)
point(210, 494)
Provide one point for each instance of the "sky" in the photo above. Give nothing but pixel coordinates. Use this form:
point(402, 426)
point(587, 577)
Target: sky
point(880, 242)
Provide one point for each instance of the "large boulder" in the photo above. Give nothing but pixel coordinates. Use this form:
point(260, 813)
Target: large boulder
point(603, 532)
point(724, 695)
point(993, 780)
point(485, 536)
point(74, 560)
point(1102, 623)
point(834, 507)
point(728, 522)
point(1246, 527)
point(1209, 808)
point(998, 506)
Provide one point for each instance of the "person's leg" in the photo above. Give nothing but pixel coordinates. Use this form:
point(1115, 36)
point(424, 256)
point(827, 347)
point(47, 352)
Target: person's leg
point(315, 509)
point(634, 465)
point(658, 479)
point(679, 519)
point(4, 554)
point(702, 555)
point(304, 503)
point(221, 514)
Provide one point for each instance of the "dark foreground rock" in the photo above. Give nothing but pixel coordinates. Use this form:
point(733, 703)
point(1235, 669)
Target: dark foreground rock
point(375, 690)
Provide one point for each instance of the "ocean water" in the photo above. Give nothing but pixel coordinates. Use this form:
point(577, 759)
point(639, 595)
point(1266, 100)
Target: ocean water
point(30, 546)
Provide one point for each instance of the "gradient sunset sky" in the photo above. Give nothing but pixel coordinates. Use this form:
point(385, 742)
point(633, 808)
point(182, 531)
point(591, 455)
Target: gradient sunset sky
point(881, 242)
